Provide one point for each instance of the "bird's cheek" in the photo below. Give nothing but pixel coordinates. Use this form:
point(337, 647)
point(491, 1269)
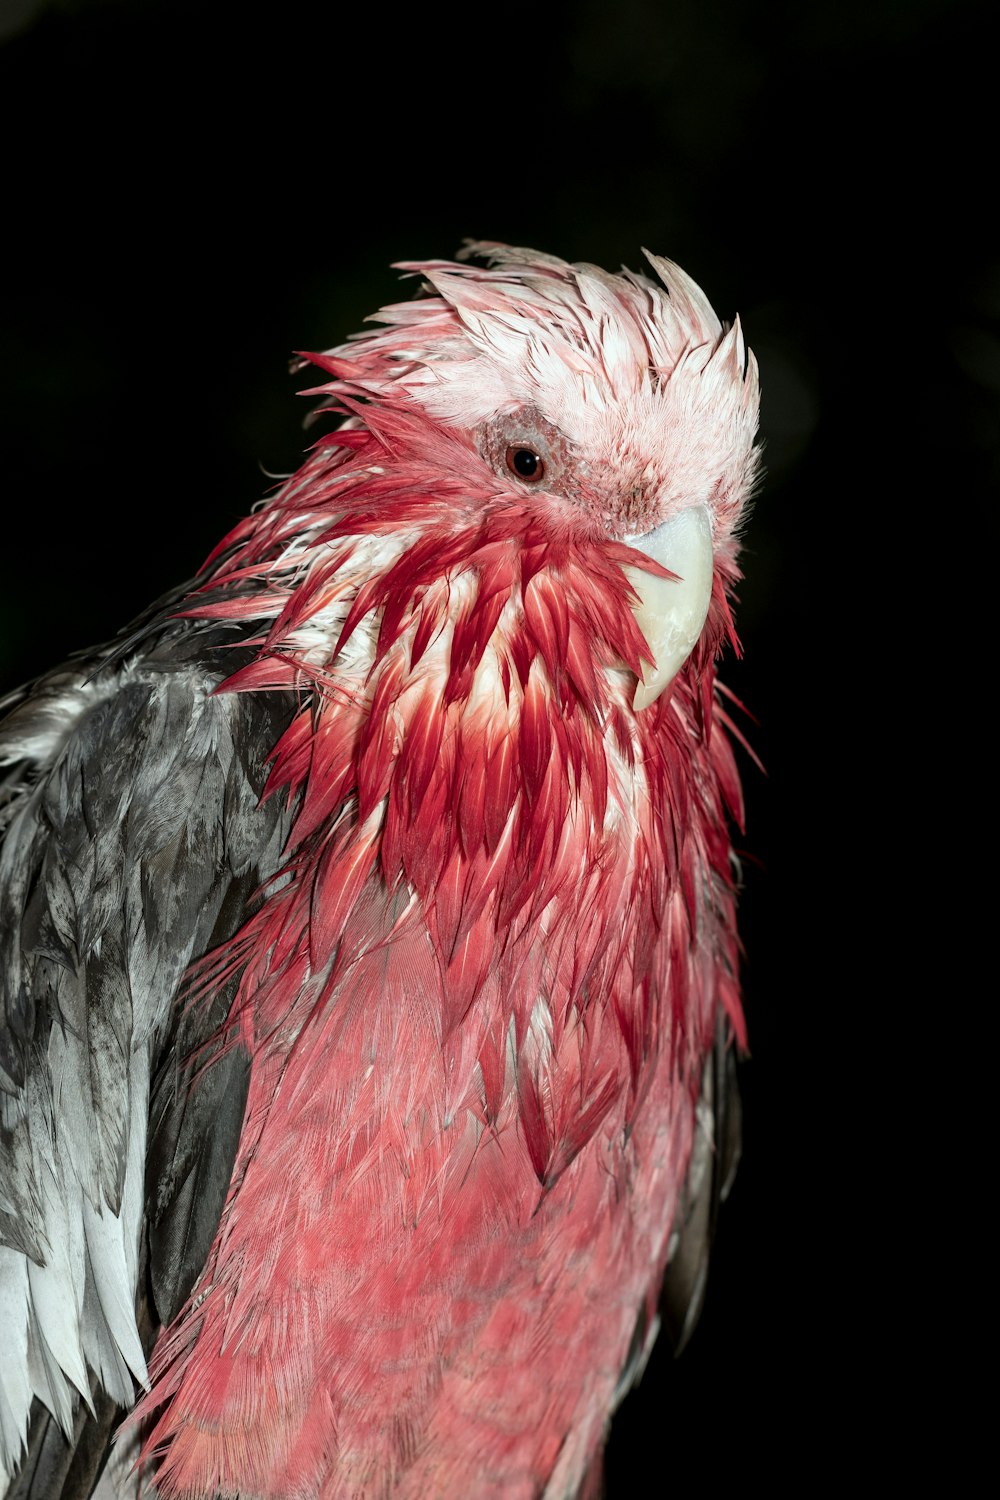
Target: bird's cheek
point(671, 611)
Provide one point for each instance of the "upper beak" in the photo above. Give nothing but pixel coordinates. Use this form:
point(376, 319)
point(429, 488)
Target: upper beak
point(672, 611)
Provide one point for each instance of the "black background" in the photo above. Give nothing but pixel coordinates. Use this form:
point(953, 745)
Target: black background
point(190, 193)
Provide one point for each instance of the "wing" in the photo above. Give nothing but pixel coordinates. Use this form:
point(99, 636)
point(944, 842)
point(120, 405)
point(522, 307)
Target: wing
point(133, 841)
point(714, 1159)
point(715, 1156)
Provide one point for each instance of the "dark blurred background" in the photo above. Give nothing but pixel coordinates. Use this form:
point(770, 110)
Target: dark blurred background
point(190, 192)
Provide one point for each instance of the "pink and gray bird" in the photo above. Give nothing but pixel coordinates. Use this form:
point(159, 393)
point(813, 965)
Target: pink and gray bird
point(368, 934)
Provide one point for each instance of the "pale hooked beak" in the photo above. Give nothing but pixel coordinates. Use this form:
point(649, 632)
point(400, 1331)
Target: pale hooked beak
point(671, 611)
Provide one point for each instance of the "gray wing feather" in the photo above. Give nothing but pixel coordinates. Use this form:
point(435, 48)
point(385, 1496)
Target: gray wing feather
point(54, 1466)
point(715, 1156)
point(133, 841)
point(714, 1159)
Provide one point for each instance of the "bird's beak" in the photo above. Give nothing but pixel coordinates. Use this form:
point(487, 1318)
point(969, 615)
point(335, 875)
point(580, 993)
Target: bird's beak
point(671, 611)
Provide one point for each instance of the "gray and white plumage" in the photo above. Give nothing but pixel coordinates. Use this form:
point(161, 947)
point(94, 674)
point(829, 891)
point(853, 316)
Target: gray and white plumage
point(133, 841)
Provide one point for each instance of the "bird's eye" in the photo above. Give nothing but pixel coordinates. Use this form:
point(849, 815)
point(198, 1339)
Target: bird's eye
point(525, 463)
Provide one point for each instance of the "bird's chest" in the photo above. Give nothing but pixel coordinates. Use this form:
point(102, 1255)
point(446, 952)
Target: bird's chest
point(440, 1233)
point(403, 1304)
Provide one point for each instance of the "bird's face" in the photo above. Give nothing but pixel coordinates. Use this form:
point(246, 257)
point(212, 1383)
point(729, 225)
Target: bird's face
point(613, 409)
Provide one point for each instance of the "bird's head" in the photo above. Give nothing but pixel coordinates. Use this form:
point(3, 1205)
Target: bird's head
point(616, 408)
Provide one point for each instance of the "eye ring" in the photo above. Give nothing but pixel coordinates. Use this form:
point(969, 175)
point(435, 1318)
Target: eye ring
point(525, 463)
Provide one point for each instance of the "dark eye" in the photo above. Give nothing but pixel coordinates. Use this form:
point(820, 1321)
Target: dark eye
point(525, 463)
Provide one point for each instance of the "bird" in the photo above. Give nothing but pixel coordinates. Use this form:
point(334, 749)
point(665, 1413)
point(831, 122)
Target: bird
point(368, 926)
